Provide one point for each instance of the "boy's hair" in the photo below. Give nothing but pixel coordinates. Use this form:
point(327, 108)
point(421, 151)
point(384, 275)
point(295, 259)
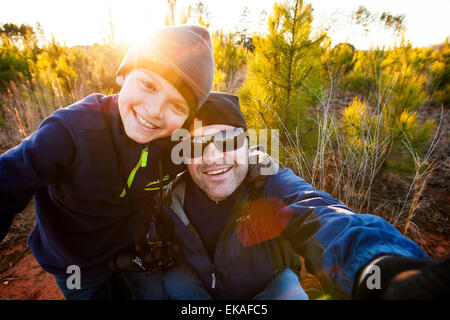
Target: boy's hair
point(182, 55)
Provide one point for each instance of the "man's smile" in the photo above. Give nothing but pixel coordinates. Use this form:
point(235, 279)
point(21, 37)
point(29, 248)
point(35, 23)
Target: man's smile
point(217, 171)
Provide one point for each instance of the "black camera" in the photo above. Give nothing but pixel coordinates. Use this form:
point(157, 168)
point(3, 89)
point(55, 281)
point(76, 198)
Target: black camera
point(156, 252)
point(151, 256)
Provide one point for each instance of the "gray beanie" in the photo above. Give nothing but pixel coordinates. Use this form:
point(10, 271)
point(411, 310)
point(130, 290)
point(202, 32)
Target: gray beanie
point(182, 55)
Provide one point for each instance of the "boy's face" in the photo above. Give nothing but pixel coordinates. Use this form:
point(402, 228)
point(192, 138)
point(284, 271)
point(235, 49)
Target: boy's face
point(150, 106)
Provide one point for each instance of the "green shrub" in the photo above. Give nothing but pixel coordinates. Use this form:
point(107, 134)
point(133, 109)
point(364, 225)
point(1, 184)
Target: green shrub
point(338, 62)
point(13, 63)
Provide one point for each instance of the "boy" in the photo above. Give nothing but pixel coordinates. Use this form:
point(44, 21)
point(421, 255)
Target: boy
point(92, 167)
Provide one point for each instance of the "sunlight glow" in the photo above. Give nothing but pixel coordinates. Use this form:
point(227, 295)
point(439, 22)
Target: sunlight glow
point(133, 33)
point(133, 24)
point(426, 22)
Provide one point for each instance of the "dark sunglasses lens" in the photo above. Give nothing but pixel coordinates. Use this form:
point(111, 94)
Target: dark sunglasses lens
point(224, 141)
point(230, 143)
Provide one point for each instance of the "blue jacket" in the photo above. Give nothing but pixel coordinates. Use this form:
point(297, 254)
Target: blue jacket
point(271, 226)
point(76, 166)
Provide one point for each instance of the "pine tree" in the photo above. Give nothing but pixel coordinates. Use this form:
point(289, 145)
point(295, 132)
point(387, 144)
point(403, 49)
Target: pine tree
point(284, 72)
point(229, 58)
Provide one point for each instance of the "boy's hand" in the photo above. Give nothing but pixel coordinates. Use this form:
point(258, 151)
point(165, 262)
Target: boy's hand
point(260, 167)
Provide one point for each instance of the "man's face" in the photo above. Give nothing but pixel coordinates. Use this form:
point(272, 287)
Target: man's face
point(150, 107)
point(218, 173)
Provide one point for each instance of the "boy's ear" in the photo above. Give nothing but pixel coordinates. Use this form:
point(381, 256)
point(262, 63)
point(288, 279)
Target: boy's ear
point(120, 80)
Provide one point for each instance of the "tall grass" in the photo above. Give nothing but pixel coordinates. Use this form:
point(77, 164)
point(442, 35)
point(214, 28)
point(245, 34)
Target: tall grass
point(25, 105)
point(424, 167)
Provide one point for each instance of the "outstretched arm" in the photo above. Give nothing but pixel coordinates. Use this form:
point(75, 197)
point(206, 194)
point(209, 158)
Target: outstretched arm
point(33, 164)
point(335, 241)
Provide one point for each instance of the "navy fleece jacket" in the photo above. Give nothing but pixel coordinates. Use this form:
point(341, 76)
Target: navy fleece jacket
point(76, 165)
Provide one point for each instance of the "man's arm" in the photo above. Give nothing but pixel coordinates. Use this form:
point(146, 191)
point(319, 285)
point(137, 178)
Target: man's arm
point(335, 241)
point(33, 164)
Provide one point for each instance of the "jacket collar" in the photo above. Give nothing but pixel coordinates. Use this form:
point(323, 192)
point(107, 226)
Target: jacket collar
point(175, 192)
point(173, 196)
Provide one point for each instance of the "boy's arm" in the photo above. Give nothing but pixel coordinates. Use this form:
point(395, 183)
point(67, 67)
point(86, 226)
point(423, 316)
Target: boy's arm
point(36, 162)
point(335, 241)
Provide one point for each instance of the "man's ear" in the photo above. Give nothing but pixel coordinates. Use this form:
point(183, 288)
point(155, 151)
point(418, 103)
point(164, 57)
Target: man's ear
point(120, 80)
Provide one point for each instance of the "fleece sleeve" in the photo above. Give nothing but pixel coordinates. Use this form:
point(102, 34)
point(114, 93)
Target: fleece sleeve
point(335, 241)
point(36, 162)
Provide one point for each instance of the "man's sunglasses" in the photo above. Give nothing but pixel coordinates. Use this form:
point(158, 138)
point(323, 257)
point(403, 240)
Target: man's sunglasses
point(224, 141)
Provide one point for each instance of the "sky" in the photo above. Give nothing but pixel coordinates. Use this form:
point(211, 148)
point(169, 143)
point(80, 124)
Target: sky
point(84, 22)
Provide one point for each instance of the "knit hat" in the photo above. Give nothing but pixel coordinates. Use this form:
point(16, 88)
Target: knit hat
point(221, 108)
point(182, 55)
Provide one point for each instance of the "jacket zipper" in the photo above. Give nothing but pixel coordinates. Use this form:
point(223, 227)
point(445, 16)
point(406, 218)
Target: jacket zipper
point(213, 277)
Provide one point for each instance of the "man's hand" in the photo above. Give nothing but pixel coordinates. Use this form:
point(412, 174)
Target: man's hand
point(260, 167)
point(407, 279)
point(429, 283)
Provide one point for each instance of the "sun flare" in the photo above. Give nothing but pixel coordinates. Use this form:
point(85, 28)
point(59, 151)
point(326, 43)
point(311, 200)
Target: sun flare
point(132, 25)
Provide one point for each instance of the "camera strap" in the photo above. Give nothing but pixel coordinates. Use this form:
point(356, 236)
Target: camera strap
point(161, 185)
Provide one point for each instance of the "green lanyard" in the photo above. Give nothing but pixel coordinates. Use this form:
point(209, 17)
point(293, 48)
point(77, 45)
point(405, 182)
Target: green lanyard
point(141, 164)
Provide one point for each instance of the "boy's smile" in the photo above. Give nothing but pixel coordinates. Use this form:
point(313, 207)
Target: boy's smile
point(150, 107)
point(144, 122)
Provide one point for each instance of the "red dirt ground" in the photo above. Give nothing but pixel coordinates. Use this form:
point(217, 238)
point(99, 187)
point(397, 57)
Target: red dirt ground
point(27, 281)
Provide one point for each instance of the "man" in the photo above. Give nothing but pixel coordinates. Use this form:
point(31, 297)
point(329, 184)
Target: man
point(243, 242)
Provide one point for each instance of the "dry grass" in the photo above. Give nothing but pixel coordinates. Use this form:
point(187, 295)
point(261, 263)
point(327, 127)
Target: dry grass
point(424, 167)
point(350, 171)
point(25, 106)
